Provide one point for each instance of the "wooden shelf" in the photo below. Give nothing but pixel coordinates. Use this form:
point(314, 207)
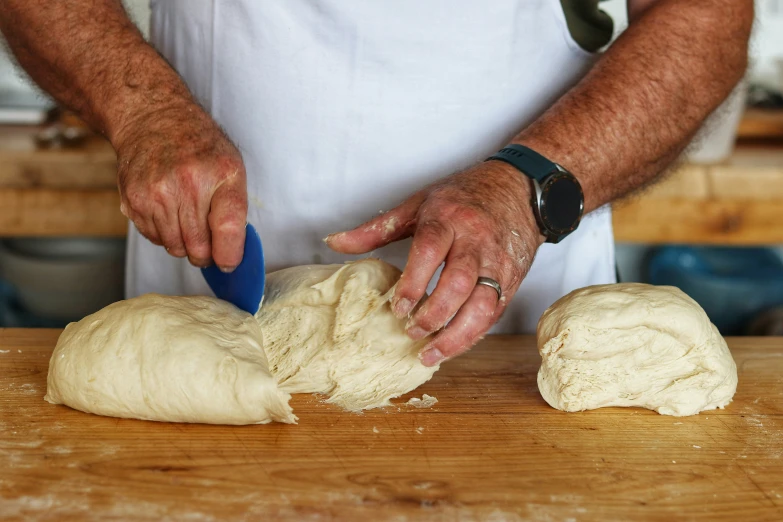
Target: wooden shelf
point(59, 191)
point(739, 202)
point(53, 212)
point(72, 192)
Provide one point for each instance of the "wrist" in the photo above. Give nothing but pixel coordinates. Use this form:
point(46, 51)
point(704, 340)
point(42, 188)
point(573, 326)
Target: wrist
point(557, 199)
point(513, 183)
point(145, 87)
point(142, 119)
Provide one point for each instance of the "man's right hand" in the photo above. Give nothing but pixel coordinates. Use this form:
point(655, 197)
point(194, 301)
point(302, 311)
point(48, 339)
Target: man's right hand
point(181, 180)
point(183, 184)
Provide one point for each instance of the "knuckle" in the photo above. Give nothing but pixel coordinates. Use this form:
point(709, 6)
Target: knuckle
point(189, 176)
point(432, 319)
point(137, 200)
point(229, 168)
point(461, 281)
point(226, 226)
point(486, 307)
point(431, 228)
point(197, 241)
point(406, 290)
point(469, 217)
point(160, 193)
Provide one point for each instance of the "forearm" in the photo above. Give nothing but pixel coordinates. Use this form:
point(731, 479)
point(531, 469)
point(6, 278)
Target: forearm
point(90, 57)
point(647, 95)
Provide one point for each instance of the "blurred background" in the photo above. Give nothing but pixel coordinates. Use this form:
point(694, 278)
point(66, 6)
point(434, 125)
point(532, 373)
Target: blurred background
point(713, 226)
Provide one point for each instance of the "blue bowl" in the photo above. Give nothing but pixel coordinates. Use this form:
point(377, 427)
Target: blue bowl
point(733, 285)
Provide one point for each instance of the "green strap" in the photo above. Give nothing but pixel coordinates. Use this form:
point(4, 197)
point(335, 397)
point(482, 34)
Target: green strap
point(526, 160)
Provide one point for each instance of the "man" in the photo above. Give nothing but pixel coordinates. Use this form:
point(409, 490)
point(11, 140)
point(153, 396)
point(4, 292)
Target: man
point(342, 108)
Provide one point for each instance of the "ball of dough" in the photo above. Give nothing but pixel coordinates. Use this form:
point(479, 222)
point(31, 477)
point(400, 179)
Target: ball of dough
point(329, 329)
point(633, 345)
point(162, 358)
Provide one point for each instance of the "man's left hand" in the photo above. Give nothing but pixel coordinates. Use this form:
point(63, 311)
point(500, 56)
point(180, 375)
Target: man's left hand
point(481, 224)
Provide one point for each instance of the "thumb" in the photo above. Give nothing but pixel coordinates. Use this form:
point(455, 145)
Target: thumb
point(227, 219)
point(396, 224)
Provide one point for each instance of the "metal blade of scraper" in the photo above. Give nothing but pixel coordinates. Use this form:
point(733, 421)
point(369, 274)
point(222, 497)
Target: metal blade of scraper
point(244, 287)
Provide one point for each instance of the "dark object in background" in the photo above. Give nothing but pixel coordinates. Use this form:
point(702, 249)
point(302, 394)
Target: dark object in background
point(13, 314)
point(733, 285)
point(761, 97)
point(63, 279)
point(768, 323)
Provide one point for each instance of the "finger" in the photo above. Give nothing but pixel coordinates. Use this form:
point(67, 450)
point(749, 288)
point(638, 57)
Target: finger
point(148, 231)
point(141, 220)
point(393, 225)
point(431, 243)
point(227, 221)
point(455, 285)
point(472, 321)
point(167, 225)
point(145, 227)
point(195, 231)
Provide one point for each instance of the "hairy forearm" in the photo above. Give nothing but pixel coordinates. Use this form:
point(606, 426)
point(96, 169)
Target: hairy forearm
point(642, 102)
point(92, 59)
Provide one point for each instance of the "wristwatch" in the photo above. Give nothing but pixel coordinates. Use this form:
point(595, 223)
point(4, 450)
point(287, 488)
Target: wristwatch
point(557, 199)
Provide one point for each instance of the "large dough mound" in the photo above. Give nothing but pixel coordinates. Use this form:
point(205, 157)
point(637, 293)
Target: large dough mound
point(325, 329)
point(180, 359)
point(633, 345)
point(329, 329)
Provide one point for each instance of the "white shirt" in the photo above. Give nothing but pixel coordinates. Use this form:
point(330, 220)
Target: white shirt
point(343, 108)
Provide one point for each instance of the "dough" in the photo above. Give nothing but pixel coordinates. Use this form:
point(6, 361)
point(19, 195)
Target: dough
point(325, 329)
point(179, 359)
point(329, 329)
point(633, 345)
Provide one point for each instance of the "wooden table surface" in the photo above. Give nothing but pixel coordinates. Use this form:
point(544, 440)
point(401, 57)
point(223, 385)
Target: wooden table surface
point(490, 449)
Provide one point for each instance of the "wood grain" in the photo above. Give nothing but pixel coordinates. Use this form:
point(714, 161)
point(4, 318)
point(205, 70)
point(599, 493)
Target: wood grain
point(72, 192)
point(761, 123)
point(55, 212)
point(23, 164)
point(490, 449)
point(709, 221)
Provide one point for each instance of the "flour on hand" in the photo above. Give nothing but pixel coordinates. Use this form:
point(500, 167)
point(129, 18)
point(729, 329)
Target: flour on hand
point(633, 345)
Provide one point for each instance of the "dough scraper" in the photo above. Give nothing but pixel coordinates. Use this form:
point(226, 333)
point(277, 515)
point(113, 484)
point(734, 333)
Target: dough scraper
point(244, 287)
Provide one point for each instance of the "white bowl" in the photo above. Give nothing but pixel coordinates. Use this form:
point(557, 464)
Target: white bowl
point(64, 279)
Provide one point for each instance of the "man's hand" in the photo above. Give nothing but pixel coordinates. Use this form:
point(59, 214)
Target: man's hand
point(181, 180)
point(183, 185)
point(480, 223)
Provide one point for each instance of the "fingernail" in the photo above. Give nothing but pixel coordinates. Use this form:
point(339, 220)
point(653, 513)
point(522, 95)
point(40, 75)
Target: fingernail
point(227, 269)
point(417, 332)
point(331, 237)
point(402, 308)
point(200, 263)
point(431, 357)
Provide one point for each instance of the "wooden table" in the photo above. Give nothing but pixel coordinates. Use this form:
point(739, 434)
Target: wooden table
point(490, 449)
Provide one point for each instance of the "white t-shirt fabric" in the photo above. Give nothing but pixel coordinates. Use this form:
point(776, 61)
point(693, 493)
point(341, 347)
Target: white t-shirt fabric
point(343, 108)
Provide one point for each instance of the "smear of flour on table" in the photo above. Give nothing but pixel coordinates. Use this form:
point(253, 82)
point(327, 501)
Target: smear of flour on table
point(426, 401)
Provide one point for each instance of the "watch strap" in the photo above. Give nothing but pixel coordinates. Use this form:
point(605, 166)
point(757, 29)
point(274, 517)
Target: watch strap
point(526, 160)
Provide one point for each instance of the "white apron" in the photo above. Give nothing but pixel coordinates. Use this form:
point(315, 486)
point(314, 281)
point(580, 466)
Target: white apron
point(342, 108)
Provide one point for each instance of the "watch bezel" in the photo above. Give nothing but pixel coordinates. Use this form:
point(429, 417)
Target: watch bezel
point(553, 233)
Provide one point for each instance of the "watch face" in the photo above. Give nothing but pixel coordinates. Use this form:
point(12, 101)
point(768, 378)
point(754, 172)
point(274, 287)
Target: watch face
point(561, 203)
